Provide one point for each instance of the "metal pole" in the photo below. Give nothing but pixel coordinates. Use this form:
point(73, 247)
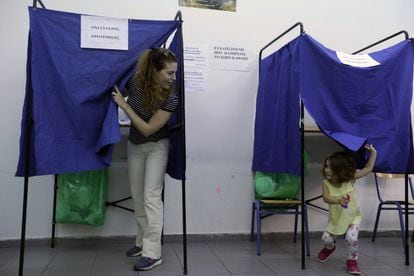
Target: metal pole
point(407, 249)
point(28, 143)
point(383, 40)
point(302, 180)
point(55, 189)
point(28, 149)
point(277, 38)
point(182, 133)
point(302, 147)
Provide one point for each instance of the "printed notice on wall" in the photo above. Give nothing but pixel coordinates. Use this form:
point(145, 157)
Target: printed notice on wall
point(104, 33)
point(195, 80)
point(195, 68)
point(196, 56)
point(363, 60)
point(231, 58)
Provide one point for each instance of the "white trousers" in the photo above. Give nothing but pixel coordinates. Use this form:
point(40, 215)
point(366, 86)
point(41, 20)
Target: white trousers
point(147, 164)
point(351, 240)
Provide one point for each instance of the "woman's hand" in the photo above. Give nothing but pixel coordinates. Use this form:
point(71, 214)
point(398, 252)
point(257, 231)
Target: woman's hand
point(118, 98)
point(370, 147)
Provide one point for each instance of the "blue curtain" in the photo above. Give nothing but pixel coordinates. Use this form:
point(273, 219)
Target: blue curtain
point(176, 160)
point(75, 123)
point(276, 133)
point(355, 105)
point(351, 105)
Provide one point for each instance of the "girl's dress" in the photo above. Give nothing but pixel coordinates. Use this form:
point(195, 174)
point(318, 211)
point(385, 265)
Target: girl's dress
point(340, 218)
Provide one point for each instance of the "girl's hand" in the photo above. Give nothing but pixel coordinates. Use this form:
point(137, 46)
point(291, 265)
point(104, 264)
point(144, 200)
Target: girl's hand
point(369, 166)
point(344, 200)
point(118, 98)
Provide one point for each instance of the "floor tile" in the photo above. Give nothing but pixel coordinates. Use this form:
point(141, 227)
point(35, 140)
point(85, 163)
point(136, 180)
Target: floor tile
point(280, 257)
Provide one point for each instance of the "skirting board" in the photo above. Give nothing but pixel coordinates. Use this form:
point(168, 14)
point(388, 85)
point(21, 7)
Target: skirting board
point(178, 238)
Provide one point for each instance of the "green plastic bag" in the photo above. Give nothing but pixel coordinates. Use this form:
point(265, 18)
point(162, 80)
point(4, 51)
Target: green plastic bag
point(277, 185)
point(81, 197)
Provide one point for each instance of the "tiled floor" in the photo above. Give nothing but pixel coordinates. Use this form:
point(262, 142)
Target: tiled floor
point(279, 257)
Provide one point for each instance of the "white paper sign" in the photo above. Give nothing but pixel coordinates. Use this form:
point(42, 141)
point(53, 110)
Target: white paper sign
point(363, 60)
point(104, 33)
point(195, 80)
point(231, 58)
point(196, 59)
point(196, 56)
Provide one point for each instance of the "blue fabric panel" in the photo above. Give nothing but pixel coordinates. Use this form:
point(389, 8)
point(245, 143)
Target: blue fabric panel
point(276, 133)
point(353, 105)
point(74, 118)
point(350, 141)
point(176, 159)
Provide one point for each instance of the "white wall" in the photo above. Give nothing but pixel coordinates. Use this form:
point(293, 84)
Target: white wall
point(219, 122)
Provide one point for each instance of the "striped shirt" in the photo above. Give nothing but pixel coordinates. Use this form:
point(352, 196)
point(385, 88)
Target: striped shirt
point(135, 100)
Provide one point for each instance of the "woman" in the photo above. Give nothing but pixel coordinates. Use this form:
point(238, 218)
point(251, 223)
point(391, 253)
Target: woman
point(151, 101)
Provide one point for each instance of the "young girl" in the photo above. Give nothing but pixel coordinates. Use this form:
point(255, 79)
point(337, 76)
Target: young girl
point(339, 172)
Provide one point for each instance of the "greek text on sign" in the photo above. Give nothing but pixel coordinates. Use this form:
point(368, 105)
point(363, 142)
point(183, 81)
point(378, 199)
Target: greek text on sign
point(363, 60)
point(104, 33)
point(231, 58)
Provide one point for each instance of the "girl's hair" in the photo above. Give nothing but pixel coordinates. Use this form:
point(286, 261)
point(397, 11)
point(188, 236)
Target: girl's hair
point(342, 166)
point(152, 61)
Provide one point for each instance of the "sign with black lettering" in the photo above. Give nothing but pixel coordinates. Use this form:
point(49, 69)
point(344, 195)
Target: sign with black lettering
point(231, 58)
point(360, 60)
point(104, 33)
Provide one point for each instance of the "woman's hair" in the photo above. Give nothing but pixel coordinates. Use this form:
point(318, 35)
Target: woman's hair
point(342, 166)
point(150, 62)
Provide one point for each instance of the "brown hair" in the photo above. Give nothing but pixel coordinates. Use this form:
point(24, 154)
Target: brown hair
point(150, 62)
point(343, 167)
